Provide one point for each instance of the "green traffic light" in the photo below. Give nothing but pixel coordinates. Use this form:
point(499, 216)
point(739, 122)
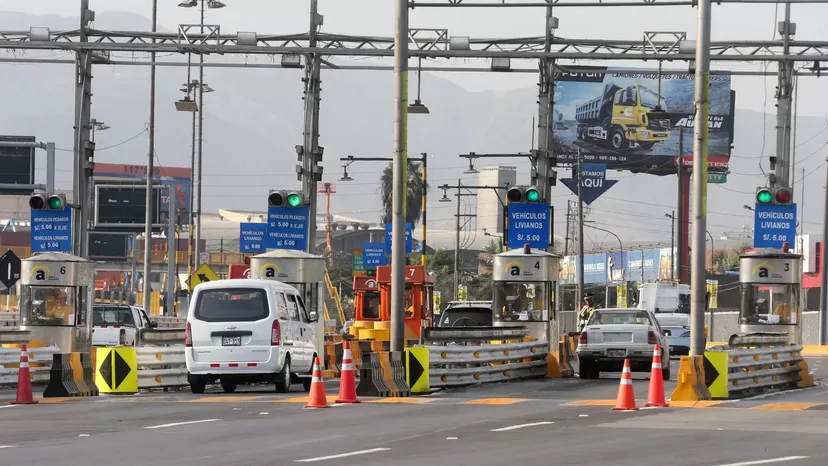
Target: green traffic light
point(764, 197)
point(532, 195)
point(294, 200)
point(55, 203)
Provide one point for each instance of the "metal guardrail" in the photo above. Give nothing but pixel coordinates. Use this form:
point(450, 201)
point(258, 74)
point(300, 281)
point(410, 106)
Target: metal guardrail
point(40, 360)
point(161, 367)
point(12, 319)
point(159, 336)
point(753, 363)
point(14, 335)
point(453, 366)
point(468, 334)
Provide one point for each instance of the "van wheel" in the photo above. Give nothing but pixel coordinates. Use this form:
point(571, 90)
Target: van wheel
point(307, 382)
point(229, 386)
point(197, 384)
point(283, 378)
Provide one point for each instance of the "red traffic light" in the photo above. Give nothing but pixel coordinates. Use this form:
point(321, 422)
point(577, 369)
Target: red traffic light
point(782, 196)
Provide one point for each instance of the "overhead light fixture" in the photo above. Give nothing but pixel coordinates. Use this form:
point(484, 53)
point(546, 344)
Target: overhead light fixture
point(471, 170)
point(215, 4)
point(186, 105)
point(291, 60)
point(345, 176)
point(206, 88)
point(501, 64)
point(188, 4)
point(418, 108)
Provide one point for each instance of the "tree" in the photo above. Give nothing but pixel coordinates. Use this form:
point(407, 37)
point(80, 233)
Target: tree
point(414, 198)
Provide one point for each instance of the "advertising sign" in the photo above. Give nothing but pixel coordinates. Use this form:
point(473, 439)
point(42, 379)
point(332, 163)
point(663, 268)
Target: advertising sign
point(615, 116)
point(595, 268)
point(774, 225)
point(529, 224)
point(287, 228)
point(666, 268)
point(357, 267)
point(17, 165)
point(616, 267)
point(621, 296)
point(176, 176)
point(409, 242)
point(252, 237)
point(373, 255)
point(594, 181)
point(52, 230)
point(643, 266)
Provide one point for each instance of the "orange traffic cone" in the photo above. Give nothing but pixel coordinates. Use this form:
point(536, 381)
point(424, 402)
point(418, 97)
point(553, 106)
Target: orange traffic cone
point(24, 381)
point(317, 397)
point(626, 397)
point(655, 398)
point(347, 381)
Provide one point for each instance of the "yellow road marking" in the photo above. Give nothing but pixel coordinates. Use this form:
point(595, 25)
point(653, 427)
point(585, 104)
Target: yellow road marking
point(694, 404)
point(302, 399)
point(495, 401)
point(786, 406)
point(405, 400)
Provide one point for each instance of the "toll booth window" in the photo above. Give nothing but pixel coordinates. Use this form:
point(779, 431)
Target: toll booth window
point(409, 302)
point(370, 306)
point(232, 305)
point(51, 306)
point(521, 302)
point(776, 304)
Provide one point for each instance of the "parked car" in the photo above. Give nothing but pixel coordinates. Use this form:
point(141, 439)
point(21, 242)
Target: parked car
point(676, 328)
point(467, 314)
point(613, 335)
point(118, 325)
point(249, 331)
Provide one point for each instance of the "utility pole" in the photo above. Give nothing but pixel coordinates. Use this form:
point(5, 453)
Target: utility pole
point(147, 290)
point(457, 244)
point(172, 252)
point(673, 245)
point(199, 161)
point(546, 92)
point(581, 231)
point(423, 210)
point(83, 147)
point(698, 283)
point(783, 105)
point(568, 218)
point(681, 241)
point(311, 153)
point(327, 190)
point(400, 166)
point(823, 291)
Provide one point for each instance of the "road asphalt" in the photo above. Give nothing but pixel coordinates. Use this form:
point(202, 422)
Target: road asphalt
point(531, 422)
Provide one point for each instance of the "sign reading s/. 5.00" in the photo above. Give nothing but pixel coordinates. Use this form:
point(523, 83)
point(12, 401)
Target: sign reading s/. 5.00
point(529, 224)
point(52, 230)
point(774, 225)
point(287, 228)
point(252, 237)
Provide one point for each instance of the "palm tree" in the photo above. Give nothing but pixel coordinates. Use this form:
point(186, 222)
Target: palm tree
point(414, 198)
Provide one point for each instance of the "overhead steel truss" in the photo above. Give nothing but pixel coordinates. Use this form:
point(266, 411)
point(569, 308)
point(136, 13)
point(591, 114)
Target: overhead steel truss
point(425, 43)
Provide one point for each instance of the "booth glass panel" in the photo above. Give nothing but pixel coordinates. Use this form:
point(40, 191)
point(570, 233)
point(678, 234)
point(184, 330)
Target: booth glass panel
point(370, 305)
point(769, 304)
point(522, 301)
point(49, 306)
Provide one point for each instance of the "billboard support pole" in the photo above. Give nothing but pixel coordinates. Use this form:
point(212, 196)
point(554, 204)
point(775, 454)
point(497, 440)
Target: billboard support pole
point(147, 289)
point(545, 112)
point(580, 231)
point(823, 276)
point(698, 281)
point(172, 252)
point(682, 215)
point(783, 107)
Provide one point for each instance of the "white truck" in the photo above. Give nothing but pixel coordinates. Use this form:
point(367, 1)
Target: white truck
point(664, 297)
point(118, 325)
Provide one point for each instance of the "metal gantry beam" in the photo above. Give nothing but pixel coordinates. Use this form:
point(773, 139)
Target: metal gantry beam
point(578, 3)
point(435, 44)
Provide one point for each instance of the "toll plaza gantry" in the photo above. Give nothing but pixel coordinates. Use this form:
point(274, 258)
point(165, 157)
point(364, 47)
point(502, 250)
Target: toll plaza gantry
point(419, 290)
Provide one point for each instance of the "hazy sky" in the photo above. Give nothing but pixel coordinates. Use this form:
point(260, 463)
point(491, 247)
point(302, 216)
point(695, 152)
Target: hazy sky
point(375, 17)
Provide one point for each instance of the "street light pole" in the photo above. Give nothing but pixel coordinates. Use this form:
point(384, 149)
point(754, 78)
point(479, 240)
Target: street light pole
point(400, 166)
point(147, 289)
point(199, 162)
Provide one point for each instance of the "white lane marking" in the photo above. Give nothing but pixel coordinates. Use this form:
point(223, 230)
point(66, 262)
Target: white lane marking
point(173, 424)
point(342, 455)
point(772, 460)
point(451, 438)
point(6, 446)
point(83, 435)
point(521, 426)
point(8, 406)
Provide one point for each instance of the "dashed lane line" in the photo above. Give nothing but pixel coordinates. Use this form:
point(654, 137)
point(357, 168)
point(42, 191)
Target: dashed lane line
point(767, 461)
point(174, 424)
point(342, 455)
point(521, 426)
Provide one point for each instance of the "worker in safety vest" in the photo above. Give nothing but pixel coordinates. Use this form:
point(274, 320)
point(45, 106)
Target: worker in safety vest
point(586, 310)
point(57, 307)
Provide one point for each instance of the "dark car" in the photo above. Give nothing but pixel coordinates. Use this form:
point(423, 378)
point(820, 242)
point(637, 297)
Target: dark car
point(467, 314)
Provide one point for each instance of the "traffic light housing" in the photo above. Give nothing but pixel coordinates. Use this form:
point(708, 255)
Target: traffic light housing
point(282, 198)
point(529, 194)
point(774, 196)
point(41, 201)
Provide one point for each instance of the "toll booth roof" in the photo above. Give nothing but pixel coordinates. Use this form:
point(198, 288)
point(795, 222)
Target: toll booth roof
point(287, 254)
point(56, 257)
point(771, 253)
point(532, 252)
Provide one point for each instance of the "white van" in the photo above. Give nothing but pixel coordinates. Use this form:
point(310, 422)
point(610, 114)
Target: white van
point(248, 331)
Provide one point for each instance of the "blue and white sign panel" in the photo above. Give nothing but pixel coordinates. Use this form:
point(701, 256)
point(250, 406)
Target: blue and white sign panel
point(594, 181)
point(529, 223)
point(287, 228)
point(373, 255)
point(774, 225)
point(252, 237)
point(409, 242)
point(52, 230)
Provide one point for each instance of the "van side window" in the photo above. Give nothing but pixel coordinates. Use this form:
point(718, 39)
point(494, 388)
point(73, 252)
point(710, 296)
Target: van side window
point(293, 310)
point(303, 313)
point(281, 307)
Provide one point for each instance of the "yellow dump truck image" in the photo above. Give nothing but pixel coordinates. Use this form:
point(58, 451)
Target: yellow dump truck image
point(624, 118)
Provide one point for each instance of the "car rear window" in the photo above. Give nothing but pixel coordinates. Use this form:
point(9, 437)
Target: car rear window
point(673, 321)
point(231, 305)
point(112, 315)
point(619, 318)
point(466, 317)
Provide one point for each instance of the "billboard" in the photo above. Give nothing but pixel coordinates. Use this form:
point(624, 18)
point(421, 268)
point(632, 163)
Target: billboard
point(17, 165)
point(618, 267)
point(175, 176)
point(125, 206)
point(616, 116)
point(643, 266)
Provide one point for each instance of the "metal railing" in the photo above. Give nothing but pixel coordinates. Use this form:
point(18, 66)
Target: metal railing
point(456, 365)
point(40, 360)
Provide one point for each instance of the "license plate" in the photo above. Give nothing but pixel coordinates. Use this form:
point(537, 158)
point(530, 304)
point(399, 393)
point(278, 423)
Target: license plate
point(230, 341)
point(616, 353)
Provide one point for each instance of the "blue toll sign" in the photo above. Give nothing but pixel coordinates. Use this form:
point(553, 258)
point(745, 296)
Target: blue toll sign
point(287, 228)
point(52, 230)
point(529, 223)
point(409, 242)
point(594, 181)
point(774, 225)
point(373, 255)
point(252, 237)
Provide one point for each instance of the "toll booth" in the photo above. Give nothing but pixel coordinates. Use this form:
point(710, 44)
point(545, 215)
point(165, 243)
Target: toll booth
point(770, 282)
point(366, 298)
point(303, 271)
point(56, 298)
point(524, 292)
point(419, 291)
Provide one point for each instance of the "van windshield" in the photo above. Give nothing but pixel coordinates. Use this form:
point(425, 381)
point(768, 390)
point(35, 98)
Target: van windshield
point(232, 305)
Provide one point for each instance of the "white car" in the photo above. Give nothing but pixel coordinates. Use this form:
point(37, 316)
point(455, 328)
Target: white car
point(248, 331)
point(613, 335)
point(676, 328)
